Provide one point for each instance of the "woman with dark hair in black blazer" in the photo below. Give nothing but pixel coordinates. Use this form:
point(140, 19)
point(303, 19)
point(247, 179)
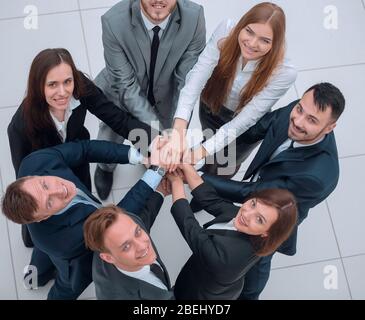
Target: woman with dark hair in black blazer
point(229, 245)
point(54, 110)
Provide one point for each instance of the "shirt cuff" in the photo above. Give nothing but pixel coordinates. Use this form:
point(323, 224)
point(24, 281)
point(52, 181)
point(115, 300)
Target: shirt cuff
point(152, 178)
point(182, 114)
point(160, 193)
point(134, 156)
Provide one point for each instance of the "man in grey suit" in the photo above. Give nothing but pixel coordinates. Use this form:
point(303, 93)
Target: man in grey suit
point(149, 47)
point(126, 264)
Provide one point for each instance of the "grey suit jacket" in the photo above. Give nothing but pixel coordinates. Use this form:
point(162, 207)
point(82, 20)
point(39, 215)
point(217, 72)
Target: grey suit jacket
point(111, 284)
point(127, 49)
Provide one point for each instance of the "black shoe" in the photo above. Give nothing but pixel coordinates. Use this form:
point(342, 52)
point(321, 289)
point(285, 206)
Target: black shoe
point(195, 205)
point(26, 237)
point(103, 182)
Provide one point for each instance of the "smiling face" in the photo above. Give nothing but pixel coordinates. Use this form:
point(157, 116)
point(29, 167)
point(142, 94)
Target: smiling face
point(308, 124)
point(129, 246)
point(255, 40)
point(157, 10)
point(255, 218)
point(51, 194)
point(58, 89)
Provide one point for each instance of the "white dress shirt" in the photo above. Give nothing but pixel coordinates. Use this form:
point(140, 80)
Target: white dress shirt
point(61, 126)
point(224, 225)
point(145, 274)
point(280, 82)
point(149, 25)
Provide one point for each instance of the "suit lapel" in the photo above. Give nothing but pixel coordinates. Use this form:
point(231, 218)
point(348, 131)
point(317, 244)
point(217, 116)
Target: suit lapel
point(274, 138)
point(167, 40)
point(141, 35)
point(221, 218)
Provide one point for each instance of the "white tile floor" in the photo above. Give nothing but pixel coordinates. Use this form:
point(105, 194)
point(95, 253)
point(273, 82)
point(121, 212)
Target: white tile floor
point(331, 250)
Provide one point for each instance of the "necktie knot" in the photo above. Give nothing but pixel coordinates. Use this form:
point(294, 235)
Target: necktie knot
point(156, 29)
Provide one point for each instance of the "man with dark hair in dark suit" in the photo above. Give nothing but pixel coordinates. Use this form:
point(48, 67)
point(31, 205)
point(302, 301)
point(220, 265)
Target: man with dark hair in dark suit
point(298, 153)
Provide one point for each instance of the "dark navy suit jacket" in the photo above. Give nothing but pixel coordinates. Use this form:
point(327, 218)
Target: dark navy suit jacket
point(61, 236)
point(310, 173)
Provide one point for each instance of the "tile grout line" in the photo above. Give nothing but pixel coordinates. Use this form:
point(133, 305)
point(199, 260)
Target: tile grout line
point(333, 67)
point(7, 107)
point(84, 37)
point(352, 156)
point(12, 260)
point(339, 249)
point(319, 261)
point(57, 12)
point(296, 89)
point(305, 264)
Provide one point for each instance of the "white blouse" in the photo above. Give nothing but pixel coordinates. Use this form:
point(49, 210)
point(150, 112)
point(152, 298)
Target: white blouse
point(280, 82)
point(61, 126)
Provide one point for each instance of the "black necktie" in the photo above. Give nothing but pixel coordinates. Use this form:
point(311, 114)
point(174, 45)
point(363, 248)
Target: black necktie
point(291, 146)
point(154, 49)
point(159, 273)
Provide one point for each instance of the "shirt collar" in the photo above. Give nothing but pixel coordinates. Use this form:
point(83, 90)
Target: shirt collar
point(72, 105)
point(149, 25)
point(298, 145)
point(250, 65)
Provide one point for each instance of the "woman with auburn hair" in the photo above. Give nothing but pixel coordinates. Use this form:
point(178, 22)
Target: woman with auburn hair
point(239, 76)
point(225, 249)
point(53, 112)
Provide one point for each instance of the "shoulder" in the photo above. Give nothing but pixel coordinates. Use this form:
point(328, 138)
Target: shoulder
point(189, 6)
point(17, 121)
point(286, 72)
point(120, 8)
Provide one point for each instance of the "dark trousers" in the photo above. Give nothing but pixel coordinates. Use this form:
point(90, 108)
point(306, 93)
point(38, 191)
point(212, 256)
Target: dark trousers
point(225, 162)
point(256, 279)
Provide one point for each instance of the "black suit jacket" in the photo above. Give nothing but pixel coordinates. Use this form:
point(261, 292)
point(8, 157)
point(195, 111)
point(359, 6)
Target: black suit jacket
point(111, 284)
point(310, 173)
point(95, 102)
point(61, 236)
point(220, 258)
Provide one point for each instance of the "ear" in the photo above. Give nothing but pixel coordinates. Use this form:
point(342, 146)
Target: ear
point(330, 127)
point(106, 257)
point(264, 235)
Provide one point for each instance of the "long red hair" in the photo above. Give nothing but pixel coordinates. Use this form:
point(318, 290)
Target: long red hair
point(218, 86)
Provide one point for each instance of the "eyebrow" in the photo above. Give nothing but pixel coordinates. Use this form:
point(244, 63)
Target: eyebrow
point(53, 81)
point(41, 181)
point(311, 116)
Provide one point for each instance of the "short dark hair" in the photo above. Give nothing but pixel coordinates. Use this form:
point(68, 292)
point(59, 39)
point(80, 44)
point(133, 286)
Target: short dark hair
point(96, 225)
point(327, 95)
point(285, 204)
point(18, 205)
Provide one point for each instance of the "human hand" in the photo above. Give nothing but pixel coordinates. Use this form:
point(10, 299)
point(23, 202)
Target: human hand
point(193, 156)
point(164, 187)
point(155, 148)
point(175, 177)
point(172, 152)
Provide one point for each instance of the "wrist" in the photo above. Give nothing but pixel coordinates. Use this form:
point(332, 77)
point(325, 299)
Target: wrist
point(160, 170)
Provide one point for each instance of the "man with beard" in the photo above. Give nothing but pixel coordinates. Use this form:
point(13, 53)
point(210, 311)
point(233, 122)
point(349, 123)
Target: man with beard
point(149, 47)
point(298, 153)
